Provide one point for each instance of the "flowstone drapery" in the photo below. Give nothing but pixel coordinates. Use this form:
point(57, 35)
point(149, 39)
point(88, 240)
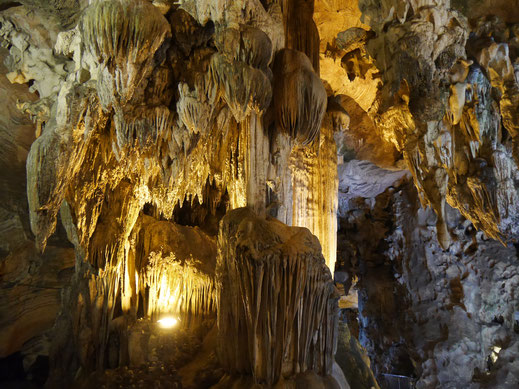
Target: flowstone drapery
point(277, 295)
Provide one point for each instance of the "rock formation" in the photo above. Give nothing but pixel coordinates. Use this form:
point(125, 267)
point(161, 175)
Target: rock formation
point(153, 121)
point(276, 294)
point(190, 160)
point(443, 317)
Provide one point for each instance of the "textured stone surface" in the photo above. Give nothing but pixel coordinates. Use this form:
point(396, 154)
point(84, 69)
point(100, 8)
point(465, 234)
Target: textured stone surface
point(433, 314)
point(277, 295)
point(131, 128)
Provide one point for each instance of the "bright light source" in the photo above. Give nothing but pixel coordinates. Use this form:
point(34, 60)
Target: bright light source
point(168, 322)
point(495, 353)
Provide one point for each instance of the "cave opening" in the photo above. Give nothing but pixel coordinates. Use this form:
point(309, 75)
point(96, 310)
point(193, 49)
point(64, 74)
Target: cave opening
point(205, 214)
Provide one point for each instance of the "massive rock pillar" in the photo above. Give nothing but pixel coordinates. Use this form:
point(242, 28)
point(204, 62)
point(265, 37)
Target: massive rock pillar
point(277, 305)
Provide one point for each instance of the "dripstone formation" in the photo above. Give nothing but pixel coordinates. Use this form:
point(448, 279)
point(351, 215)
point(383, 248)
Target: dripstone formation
point(313, 194)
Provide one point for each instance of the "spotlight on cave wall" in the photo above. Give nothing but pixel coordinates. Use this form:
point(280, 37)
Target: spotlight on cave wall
point(495, 353)
point(168, 322)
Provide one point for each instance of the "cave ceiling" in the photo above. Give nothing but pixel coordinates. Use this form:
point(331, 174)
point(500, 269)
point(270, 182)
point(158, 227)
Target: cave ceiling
point(405, 73)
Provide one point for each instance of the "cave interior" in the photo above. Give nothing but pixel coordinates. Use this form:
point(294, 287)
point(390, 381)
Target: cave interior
point(255, 194)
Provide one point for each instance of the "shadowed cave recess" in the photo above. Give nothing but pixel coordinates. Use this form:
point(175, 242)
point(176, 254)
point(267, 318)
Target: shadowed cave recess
point(237, 194)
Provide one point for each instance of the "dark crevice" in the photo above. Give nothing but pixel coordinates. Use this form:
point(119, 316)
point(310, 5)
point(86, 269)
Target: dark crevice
point(10, 4)
point(205, 214)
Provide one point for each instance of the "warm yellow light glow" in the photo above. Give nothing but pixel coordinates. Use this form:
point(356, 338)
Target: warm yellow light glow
point(176, 287)
point(168, 322)
point(495, 353)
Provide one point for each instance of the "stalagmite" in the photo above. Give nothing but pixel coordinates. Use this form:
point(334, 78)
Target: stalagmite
point(276, 294)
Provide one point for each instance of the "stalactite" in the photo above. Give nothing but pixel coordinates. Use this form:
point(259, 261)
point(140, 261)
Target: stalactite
point(104, 290)
point(240, 69)
point(177, 288)
point(244, 88)
point(196, 107)
point(176, 269)
point(56, 157)
point(300, 30)
point(123, 36)
point(143, 127)
point(247, 44)
point(299, 96)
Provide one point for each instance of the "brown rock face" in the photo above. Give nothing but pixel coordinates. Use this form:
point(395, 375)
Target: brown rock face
point(444, 318)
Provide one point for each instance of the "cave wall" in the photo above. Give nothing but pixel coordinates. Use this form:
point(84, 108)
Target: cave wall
point(443, 317)
point(30, 281)
point(448, 105)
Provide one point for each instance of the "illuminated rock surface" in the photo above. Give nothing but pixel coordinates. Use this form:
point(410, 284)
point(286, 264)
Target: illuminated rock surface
point(278, 296)
point(192, 158)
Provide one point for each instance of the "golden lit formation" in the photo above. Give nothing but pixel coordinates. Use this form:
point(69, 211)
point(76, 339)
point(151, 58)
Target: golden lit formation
point(238, 193)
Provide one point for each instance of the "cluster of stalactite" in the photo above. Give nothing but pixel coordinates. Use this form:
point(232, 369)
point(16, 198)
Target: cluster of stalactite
point(157, 108)
point(168, 156)
point(160, 268)
point(174, 271)
point(437, 107)
point(277, 296)
point(177, 289)
point(240, 69)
